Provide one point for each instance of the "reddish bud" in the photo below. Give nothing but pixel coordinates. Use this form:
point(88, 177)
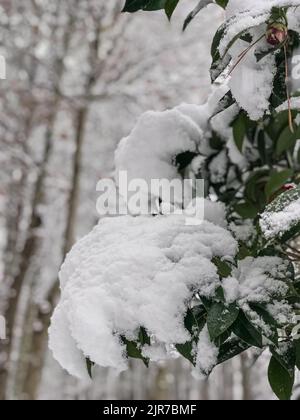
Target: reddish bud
point(283, 189)
point(276, 34)
point(288, 187)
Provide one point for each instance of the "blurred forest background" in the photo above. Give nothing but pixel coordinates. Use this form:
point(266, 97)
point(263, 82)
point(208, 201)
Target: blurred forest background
point(79, 73)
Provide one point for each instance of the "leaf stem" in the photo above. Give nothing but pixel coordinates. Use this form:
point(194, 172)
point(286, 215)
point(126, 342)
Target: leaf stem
point(244, 53)
point(288, 90)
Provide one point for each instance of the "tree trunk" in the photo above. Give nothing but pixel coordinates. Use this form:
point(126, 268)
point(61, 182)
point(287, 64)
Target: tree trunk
point(26, 257)
point(247, 394)
point(39, 339)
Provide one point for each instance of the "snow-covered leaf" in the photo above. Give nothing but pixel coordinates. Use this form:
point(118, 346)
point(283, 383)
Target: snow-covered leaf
point(281, 218)
point(143, 271)
point(233, 347)
point(247, 332)
point(133, 351)
point(220, 319)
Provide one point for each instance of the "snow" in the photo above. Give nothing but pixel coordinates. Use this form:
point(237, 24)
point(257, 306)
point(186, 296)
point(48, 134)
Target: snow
point(281, 311)
point(293, 16)
point(150, 150)
point(148, 153)
point(66, 350)
point(242, 16)
point(235, 7)
point(251, 82)
point(155, 352)
point(243, 232)
point(131, 272)
point(235, 156)
point(214, 212)
point(276, 223)
point(256, 280)
point(218, 168)
point(231, 288)
point(260, 281)
point(221, 123)
point(294, 104)
point(199, 208)
point(207, 355)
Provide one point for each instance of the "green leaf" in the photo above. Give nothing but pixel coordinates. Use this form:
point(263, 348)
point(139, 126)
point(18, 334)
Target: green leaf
point(216, 42)
point(154, 5)
point(216, 142)
point(286, 356)
point(243, 329)
point(262, 147)
point(278, 96)
point(255, 187)
point(243, 252)
point(297, 351)
point(224, 270)
point(187, 351)
point(200, 6)
point(194, 322)
point(287, 140)
point(222, 3)
point(246, 210)
point(89, 367)
point(231, 348)
point(239, 131)
point(182, 160)
point(195, 319)
point(268, 320)
point(277, 124)
point(298, 157)
point(223, 338)
point(218, 65)
point(144, 337)
point(132, 6)
point(220, 319)
point(284, 200)
point(280, 380)
point(170, 7)
point(277, 180)
point(133, 350)
point(226, 102)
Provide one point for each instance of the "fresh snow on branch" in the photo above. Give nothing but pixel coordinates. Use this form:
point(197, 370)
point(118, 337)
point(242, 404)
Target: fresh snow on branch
point(130, 273)
point(150, 150)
